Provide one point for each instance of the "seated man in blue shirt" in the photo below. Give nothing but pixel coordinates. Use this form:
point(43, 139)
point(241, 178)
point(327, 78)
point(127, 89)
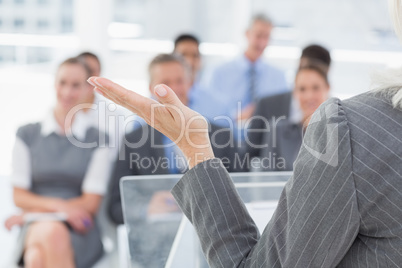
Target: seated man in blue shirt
point(239, 83)
point(147, 152)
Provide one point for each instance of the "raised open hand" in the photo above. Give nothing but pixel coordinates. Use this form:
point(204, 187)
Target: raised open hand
point(185, 127)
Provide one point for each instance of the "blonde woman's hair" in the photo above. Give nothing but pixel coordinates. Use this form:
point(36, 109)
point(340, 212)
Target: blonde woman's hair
point(389, 82)
point(395, 7)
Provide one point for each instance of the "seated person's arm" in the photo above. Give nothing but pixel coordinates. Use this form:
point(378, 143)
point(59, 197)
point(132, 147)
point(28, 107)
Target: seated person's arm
point(28, 201)
point(88, 201)
point(95, 182)
point(78, 217)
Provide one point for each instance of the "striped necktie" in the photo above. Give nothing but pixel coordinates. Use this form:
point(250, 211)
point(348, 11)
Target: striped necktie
point(252, 83)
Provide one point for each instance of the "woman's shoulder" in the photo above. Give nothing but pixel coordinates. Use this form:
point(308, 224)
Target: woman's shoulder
point(366, 118)
point(29, 132)
point(372, 98)
point(331, 110)
point(371, 106)
point(365, 105)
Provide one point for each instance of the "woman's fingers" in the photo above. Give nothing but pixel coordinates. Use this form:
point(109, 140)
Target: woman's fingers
point(145, 107)
point(127, 98)
point(116, 100)
point(112, 96)
point(170, 116)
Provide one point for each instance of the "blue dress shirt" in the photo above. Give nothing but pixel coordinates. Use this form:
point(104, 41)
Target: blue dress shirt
point(230, 84)
point(171, 152)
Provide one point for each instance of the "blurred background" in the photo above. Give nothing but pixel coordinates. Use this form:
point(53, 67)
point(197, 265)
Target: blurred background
point(36, 35)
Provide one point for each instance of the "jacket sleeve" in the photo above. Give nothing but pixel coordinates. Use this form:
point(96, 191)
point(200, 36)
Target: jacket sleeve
point(317, 218)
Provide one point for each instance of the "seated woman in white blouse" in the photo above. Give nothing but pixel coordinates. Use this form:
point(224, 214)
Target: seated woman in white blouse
point(59, 165)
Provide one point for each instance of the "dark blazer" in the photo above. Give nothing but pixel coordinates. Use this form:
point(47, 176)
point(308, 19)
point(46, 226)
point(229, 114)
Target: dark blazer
point(282, 147)
point(150, 151)
point(267, 109)
point(341, 207)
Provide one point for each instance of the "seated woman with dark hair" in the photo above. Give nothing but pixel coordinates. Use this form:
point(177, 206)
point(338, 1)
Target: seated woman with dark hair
point(283, 136)
point(59, 165)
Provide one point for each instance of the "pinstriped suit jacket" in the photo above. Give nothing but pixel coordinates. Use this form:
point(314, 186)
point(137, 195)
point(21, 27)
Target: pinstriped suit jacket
point(341, 208)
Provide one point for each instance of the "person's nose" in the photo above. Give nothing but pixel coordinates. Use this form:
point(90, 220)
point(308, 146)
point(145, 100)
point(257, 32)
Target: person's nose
point(66, 92)
point(309, 95)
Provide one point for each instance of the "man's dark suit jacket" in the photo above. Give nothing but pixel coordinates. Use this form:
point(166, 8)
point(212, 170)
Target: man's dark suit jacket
point(128, 166)
point(267, 109)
